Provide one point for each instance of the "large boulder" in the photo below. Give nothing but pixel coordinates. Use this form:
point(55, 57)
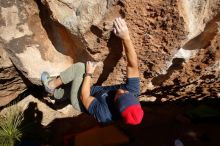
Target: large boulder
point(177, 41)
point(31, 48)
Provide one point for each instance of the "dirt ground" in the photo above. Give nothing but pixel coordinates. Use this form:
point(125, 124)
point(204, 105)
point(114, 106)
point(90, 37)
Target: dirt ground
point(161, 126)
point(195, 123)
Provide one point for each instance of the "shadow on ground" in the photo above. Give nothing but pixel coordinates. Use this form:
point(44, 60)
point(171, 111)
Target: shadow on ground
point(194, 123)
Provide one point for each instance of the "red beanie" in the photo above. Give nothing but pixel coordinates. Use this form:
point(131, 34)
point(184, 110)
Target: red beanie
point(130, 109)
point(133, 115)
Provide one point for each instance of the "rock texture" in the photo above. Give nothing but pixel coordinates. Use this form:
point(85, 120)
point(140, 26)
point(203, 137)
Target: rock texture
point(197, 13)
point(177, 42)
point(11, 84)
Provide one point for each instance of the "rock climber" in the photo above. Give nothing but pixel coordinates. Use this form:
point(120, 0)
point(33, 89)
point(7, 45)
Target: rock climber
point(104, 103)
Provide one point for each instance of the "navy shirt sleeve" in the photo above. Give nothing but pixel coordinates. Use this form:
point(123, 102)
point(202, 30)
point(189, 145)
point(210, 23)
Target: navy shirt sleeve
point(100, 111)
point(133, 86)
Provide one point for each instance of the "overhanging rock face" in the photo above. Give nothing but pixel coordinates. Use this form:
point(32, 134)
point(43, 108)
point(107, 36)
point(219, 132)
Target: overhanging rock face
point(177, 42)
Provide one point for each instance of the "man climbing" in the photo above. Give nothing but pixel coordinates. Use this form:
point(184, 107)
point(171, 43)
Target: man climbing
point(105, 103)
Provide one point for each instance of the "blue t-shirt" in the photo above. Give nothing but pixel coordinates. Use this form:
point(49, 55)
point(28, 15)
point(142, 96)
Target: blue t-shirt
point(103, 107)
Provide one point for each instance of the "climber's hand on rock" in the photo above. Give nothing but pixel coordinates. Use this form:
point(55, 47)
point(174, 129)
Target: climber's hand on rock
point(90, 67)
point(121, 29)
